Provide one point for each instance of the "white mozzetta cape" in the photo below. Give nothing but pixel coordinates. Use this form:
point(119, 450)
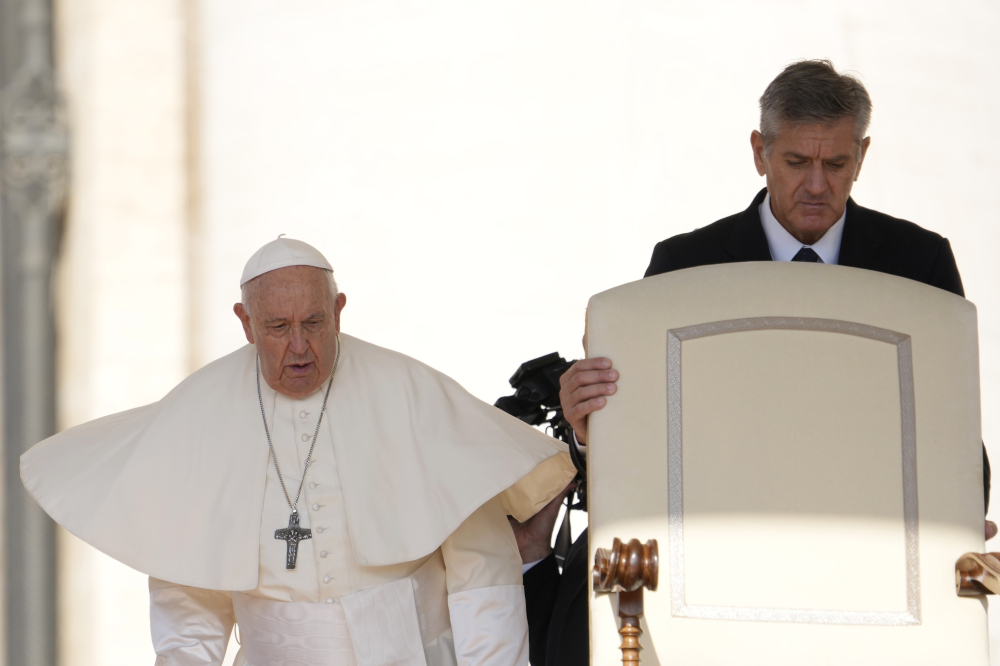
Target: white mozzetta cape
point(175, 489)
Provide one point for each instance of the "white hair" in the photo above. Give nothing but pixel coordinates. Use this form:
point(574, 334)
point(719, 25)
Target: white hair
point(249, 290)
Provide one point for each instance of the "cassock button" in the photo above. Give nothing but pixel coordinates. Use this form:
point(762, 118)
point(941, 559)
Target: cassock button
point(313, 484)
point(323, 553)
point(326, 579)
point(315, 507)
point(302, 415)
point(319, 530)
point(305, 437)
point(329, 601)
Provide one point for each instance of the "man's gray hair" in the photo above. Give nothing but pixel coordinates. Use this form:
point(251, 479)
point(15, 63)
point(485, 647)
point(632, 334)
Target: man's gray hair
point(248, 290)
point(812, 92)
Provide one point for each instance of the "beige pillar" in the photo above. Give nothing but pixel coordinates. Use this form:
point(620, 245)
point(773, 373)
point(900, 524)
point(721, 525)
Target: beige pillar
point(123, 329)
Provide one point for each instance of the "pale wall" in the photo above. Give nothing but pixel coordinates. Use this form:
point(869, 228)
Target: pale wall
point(475, 171)
point(122, 292)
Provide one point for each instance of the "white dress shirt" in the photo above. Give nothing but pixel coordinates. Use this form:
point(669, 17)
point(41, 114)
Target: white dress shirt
point(784, 246)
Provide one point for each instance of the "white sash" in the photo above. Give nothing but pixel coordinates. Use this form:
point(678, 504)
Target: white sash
point(276, 633)
point(402, 623)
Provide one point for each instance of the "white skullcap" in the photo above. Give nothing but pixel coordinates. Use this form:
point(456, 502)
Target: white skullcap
point(282, 253)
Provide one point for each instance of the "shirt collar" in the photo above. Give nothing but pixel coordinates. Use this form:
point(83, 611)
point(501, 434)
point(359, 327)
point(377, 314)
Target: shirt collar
point(784, 246)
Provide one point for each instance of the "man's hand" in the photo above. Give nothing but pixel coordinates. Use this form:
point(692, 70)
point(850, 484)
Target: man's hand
point(534, 536)
point(582, 389)
point(991, 529)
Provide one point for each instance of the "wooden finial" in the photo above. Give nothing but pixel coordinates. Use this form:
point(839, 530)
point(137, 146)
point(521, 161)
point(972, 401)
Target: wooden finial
point(977, 574)
point(627, 569)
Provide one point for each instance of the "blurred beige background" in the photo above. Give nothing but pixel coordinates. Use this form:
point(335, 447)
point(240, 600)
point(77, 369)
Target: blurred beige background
point(473, 170)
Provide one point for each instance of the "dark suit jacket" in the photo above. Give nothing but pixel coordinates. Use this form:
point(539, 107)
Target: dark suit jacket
point(557, 609)
point(557, 604)
point(871, 240)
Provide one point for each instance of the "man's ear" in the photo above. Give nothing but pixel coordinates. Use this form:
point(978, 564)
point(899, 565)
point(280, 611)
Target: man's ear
point(338, 305)
point(244, 316)
point(757, 144)
point(864, 151)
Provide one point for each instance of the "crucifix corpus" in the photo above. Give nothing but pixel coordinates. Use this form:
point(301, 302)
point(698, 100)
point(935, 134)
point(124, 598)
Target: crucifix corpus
point(292, 535)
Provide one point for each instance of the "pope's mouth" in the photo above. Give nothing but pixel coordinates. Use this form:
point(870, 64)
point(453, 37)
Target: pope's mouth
point(299, 369)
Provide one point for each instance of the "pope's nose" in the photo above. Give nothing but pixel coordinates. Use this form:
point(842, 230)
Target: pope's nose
point(298, 343)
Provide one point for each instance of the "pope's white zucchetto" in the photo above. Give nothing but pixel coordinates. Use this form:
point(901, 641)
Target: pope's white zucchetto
point(282, 253)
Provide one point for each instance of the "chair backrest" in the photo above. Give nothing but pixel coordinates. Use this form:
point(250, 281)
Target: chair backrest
point(803, 441)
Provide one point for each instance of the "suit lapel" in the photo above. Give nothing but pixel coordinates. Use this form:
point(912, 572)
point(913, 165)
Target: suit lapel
point(860, 239)
point(574, 578)
point(748, 242)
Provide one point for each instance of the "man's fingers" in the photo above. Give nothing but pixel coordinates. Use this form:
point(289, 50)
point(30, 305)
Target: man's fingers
point(587, 407)
point(582, 389)
point(585, 393)
point(588, 377)
point(596, 363)
point(584, 366)
point(585, 385)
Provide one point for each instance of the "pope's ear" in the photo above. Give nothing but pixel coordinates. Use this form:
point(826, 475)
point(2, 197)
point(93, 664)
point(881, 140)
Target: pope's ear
point(244, 316)
point(338, 305)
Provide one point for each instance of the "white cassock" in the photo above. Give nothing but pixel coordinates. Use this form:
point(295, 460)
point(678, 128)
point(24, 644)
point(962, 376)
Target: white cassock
point(411, 559)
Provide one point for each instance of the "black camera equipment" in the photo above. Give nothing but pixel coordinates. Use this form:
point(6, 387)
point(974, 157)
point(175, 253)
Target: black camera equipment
point(536, 402)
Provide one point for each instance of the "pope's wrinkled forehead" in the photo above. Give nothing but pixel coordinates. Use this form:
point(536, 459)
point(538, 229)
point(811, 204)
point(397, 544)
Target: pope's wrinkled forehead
point(283, 253)
point(290, 289)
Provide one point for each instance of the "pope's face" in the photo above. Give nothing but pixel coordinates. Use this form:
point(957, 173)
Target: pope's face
point(293, 322)
point(810, 170)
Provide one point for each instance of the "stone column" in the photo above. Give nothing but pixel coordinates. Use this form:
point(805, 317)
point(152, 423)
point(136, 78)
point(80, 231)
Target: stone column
point(33, 167)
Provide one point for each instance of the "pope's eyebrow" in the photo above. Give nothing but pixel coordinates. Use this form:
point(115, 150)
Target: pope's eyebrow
point(285, 320)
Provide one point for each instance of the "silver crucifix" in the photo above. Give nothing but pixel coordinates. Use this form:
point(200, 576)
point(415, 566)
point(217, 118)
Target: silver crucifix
point(292, 535)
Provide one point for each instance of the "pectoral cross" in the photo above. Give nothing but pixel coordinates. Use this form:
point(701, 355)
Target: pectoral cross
point(292, 534)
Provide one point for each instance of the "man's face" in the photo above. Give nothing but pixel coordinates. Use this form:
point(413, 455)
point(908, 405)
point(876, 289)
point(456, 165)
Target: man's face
point(293, 322)
point(810, 170)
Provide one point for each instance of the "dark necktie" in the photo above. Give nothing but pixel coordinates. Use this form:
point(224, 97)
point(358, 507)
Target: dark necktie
point(807, 254)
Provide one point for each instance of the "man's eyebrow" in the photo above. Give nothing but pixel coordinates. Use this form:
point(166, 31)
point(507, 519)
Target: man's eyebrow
point(806, 158)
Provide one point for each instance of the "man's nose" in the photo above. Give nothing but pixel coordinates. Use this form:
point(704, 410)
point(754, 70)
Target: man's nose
point(815, 179)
